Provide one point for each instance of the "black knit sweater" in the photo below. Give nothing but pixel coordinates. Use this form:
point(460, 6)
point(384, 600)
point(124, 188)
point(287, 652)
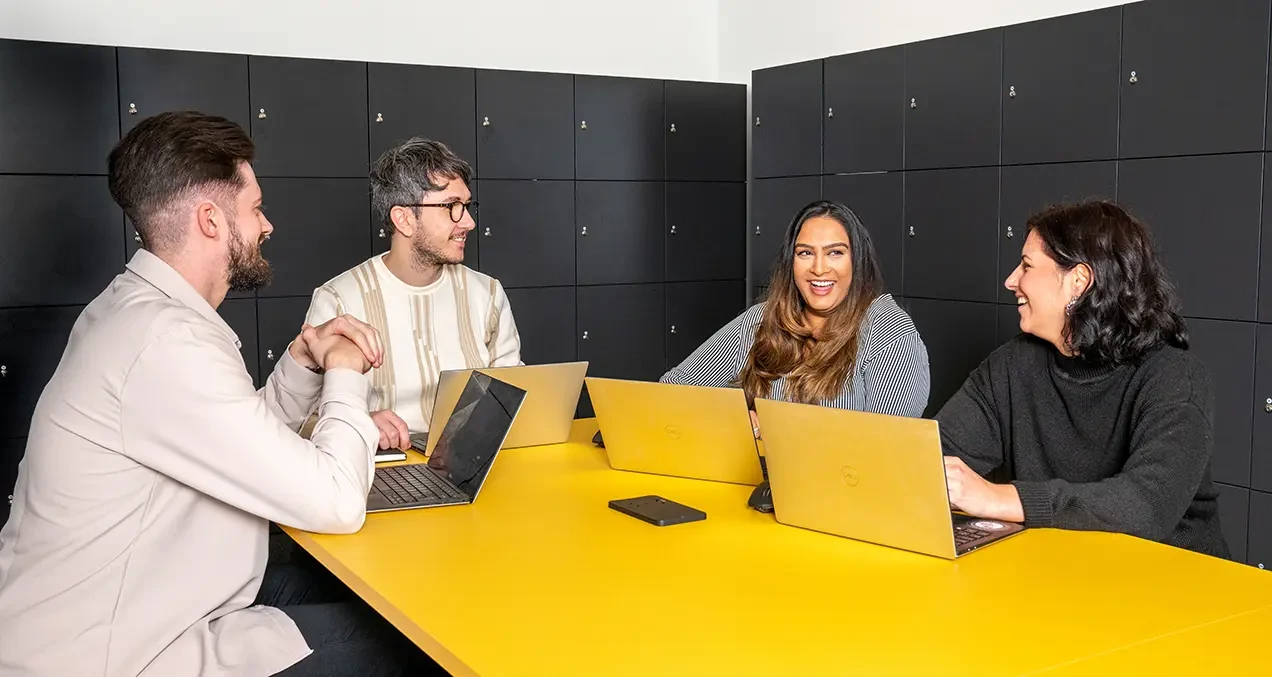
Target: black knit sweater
point(1123, 448)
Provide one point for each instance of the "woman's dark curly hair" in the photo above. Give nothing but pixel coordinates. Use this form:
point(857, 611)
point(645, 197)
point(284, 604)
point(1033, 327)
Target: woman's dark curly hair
point(1130, 306)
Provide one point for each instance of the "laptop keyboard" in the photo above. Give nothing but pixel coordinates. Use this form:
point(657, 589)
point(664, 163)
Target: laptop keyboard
point(964, 534)
point(412, 484)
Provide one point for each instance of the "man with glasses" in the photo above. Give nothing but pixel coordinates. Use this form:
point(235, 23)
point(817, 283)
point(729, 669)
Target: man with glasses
point(432, 312)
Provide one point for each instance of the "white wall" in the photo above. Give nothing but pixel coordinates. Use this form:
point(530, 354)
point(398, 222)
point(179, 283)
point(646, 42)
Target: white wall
point(602, 37)
point(757, 33)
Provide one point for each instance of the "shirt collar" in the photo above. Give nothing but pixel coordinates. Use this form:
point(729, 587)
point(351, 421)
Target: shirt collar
point(166, 279)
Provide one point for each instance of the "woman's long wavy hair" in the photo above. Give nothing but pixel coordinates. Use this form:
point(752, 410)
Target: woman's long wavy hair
point(1130, 306)
point(815, 367)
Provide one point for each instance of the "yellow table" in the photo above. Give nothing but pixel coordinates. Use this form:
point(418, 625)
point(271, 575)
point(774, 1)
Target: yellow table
point(540, 576)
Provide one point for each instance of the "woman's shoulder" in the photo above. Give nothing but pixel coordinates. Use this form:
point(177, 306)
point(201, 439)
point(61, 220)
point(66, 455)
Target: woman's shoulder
point(1171, 374)
point(886, 321)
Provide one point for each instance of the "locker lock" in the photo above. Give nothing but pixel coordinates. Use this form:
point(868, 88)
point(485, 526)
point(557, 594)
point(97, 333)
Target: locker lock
point(1011, 91)
point(673, 229)
point(132, 109)
point(914, 103)
point(911, 231)
point(673, 128)
point(584, 230)
point(269, 354)
point(136, 237)
point(261, 115)
point(4, 371)
point(583, 124)
point(830, 112)
point(1267, 404)
point(1009, 233)
point(757, 230)
point(488, 232)
point(383, 234)
point(485, 121)
point(757, 121)
point(1134, 78)
point(673, 328)
point(585, 336)
point(11, 500)
point(379, 117)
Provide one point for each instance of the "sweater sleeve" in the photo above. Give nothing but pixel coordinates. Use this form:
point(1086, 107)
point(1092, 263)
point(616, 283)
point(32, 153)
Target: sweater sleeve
point(896, 379)
point(717, 362)
point(969, 422)
point(1171, 446)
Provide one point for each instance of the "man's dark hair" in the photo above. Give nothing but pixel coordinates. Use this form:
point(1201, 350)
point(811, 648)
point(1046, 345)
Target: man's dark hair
point(167, 157)
point(402, 174)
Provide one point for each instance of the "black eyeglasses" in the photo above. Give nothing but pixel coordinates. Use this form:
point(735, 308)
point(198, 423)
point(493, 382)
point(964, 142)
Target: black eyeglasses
point(456, 208)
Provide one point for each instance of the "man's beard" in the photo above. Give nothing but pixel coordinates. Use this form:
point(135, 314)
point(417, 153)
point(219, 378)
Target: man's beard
point(248, 270)
point(426, 256)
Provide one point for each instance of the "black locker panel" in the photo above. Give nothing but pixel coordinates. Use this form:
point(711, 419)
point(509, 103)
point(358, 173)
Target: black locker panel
point(1227, 350)
point(786, 112)
point(545, 322)
point(60, 112)
point(527, 232)
point(1265, 251)
point(953, 100)
point(300, 127)
point(382, 236)
point(153, 81)
point(1261, 447)
point(619, 231)
point(864, 116)
point(1060, 103)
point(525, 127)
point(696, 310)
point(278, 323)
point(627, 344)
point(1193, 77)
point(31, 345)
point(1259, 541)
point(240, 314)
point(958, 336)
point(878, 200)
point(706, 131)
point(433, 102)
point(774, 202)
point(1027, 190)
point(1008, 324)
point(706, 231)
point(11, 453)
point(618, 128)
point(320, 231)
point(1203, 213)
point(951, 248)
point(61, 239)
point(1234, 518)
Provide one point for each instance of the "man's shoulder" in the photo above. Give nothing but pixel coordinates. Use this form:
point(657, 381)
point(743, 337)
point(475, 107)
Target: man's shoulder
point(350, 280)
point(473, 279)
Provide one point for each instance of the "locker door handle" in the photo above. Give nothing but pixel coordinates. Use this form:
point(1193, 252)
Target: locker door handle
point(11, 503)
point(583, 124)
point(914, 103)
point(1134, 78)
point(673, 229)
point(383, 234)
point(487, 232)
point(379, 117)
point(485, 121)
point(4, 371)
point(1009, 233)
point(1011, 91)
point(261, 115)
point(673, 128)
point(911, 231)
point(136, 237)
point(673, 328)
point(132, 109)
point(585, 336)
point(1267, 404)
point(269, 355)
point(585, 230)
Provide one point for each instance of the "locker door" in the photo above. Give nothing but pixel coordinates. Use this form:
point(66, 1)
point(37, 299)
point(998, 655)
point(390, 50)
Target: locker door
point(877, 199)
point(951, 248)
point(31, 344)
point(618, 128)
point(1203, 213)
point(619, 238)
point(1259, 548)
point(774, 202)
point(278, 323)
point(958, 336)
point(1261, 442)
point(696, 310)
point(1193, 77)
point(433, 102)
point(240, 314)
point(153, 81)
point(320, 231)
point(864, 116)
point(1265, 252)
point(61, 107)
point(1060, 103)
point(62, 241)
point(1227, 350)
point(706, 231)
point(300, 128)
point(545, 320)
point(527, 232)
point(525, 125)
point(1029, 189)
point(953, 100)
point(786, 132)
point(706, 131)
point(627, 344)
point(1234, 517)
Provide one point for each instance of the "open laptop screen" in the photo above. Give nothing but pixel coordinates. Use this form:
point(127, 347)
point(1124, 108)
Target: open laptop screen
point(476, 430)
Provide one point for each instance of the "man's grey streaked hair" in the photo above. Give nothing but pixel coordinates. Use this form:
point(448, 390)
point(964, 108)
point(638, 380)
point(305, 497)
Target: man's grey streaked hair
point(404, 173)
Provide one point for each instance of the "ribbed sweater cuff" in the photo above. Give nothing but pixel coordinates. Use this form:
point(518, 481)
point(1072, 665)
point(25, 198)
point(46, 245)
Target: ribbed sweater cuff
point(1035, 500)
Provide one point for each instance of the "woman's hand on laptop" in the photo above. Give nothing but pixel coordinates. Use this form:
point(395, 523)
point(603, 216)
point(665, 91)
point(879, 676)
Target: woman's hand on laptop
point(977, 497)
point(393, 431)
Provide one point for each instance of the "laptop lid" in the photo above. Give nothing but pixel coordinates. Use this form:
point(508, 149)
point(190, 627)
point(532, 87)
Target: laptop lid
point(467, 445)
point(682, 431)
point(546, 416)
point(868, 477)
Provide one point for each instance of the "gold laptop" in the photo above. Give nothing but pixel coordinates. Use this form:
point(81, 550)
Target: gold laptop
point(546, 416)
point(682, 431)
point(868, 477)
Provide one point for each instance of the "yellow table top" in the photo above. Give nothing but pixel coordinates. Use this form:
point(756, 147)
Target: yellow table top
point(540, 576)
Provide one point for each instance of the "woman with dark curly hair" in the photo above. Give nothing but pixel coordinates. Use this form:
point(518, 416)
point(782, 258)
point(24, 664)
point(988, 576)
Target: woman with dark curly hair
point(1096, 415)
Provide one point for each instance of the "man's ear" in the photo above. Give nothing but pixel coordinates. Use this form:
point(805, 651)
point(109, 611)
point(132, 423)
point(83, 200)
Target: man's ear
point(211, 219)
point(401, 219)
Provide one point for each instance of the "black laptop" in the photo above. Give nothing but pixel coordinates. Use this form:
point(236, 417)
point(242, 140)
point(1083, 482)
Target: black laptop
point(466, 450)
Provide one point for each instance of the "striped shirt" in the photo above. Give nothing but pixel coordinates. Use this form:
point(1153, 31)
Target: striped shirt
point(461, 321)
point(890, 377)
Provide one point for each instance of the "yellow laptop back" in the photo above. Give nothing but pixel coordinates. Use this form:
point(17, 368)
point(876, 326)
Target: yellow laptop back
point(682, 431)
point(868, 477)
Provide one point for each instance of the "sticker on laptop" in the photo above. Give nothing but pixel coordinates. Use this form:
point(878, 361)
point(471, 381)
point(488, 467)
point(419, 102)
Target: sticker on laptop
point(989, 526)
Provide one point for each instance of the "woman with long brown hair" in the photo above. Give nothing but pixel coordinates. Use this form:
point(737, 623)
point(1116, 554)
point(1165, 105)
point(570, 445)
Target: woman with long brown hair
point(828, 333)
